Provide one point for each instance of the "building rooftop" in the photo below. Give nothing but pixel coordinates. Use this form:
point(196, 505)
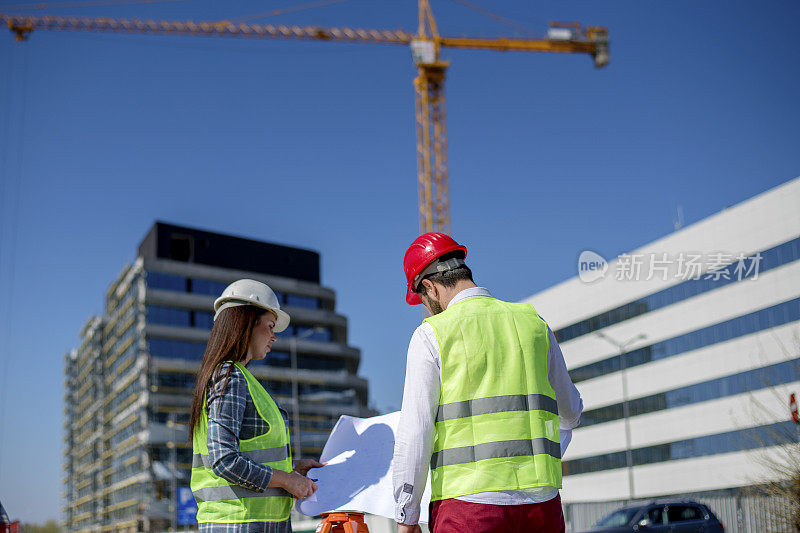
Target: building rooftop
point(190, 245)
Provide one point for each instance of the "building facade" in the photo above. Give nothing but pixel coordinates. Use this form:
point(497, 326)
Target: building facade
point(129, 382)
point(685, 352)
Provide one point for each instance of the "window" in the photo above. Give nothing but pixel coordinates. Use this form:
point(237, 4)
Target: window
point(683, 513)
point(771, 258)
point(312, 362)
point(769, 317)
point(130, 351)
point(124, 395)
point(603, 414)
point(657, 515)
point(732, 441)
point(276, 387)
point(314, 334)
point(278, 359)
point(608, 461)
point(295, 300)
point(203, 320)
point(752, 380)
point(288, 332)
point(306, 362)
point(131, 293)
point(124, 434)
point(172, 349)
point(207, 286)
point(164, 454)
point(619, 518)
point(174, 316)
point(169, 316)
point(167, 282)
point(175, 380)
point(181, 248)
point(164, 417)
point(126, 464)
point(318, 334)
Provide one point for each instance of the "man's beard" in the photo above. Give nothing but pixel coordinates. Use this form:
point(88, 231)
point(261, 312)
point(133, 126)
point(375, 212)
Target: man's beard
point(433, 305)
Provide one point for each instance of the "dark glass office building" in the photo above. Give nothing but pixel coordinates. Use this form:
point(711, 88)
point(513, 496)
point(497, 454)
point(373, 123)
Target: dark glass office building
point(128, 385)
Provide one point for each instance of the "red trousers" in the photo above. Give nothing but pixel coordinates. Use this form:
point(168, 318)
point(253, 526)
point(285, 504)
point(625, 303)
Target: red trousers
point(456, 516)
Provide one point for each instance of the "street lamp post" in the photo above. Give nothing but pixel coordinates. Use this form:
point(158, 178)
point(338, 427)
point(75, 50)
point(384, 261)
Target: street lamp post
point(622, 346)
point(295, 388)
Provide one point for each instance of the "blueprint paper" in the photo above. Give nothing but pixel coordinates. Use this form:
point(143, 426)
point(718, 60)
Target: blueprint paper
point(358, 476)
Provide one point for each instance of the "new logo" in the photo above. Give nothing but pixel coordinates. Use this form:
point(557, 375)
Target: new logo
point(591, 266)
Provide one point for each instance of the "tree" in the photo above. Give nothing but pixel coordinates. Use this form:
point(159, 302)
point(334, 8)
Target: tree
point(782, 463)
point(51, 526)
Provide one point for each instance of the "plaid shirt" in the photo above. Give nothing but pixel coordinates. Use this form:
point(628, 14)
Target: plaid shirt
point(232, 416)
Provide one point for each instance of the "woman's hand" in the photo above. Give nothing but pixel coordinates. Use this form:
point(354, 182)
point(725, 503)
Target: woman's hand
point(302, 466)
point(297, 485)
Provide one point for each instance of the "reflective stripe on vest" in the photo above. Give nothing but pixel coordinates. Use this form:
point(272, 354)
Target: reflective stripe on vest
point(489, 450)
point(497, 404)
point(259, 456)
point(219, 501)
point(233, 492)
point(497, 421)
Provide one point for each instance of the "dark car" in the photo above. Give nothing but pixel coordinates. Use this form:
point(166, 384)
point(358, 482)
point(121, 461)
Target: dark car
point(660, 517)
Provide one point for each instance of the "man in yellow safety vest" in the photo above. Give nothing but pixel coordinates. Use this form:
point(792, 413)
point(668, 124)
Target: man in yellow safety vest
point(488, 405)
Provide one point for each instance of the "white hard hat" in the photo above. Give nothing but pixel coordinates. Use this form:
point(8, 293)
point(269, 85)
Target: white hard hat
point(252, 292)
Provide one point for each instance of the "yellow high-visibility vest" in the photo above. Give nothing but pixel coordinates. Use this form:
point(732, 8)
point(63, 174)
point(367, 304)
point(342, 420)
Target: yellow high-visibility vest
point(220, 501)
point(497, 422)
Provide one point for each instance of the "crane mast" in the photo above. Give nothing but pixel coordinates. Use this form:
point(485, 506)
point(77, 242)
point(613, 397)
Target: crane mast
point(434, 205)
point(426, 45)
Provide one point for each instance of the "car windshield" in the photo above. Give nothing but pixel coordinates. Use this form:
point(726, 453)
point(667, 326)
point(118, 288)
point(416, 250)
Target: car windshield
point(620, 517)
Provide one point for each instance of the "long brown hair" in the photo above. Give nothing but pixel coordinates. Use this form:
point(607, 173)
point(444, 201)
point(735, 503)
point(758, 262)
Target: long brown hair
point(228, 341)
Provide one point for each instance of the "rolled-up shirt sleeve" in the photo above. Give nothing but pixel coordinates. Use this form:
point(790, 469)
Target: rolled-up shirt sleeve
point(225, 413)
point(415, 432)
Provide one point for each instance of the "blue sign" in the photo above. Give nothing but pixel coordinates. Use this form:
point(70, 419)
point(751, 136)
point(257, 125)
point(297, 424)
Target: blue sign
point(187, 507)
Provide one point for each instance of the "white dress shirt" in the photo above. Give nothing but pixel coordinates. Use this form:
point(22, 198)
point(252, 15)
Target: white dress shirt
point(415, 433)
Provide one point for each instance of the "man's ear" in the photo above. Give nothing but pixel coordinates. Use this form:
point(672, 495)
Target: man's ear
point(431, 289)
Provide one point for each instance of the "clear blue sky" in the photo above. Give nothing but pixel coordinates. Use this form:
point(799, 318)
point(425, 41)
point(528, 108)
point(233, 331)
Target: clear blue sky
point(312, 144)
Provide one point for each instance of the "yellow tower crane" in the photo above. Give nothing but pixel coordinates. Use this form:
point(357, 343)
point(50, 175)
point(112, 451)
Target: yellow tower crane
point(426, 45)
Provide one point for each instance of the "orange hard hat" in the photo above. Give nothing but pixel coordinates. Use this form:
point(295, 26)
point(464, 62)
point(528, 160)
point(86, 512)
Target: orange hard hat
point(425, 249)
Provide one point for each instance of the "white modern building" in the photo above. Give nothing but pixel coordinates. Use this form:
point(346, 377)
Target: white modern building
point(685, 352)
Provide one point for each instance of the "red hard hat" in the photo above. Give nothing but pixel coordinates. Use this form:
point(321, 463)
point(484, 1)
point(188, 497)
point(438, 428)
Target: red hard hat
point(423, 251)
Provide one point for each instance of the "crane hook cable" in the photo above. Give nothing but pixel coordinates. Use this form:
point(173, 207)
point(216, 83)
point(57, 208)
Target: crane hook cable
point(498, 18)
point(274, 12)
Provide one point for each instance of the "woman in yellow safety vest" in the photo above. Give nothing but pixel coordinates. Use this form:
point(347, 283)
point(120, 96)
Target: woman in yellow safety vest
point(242, 473)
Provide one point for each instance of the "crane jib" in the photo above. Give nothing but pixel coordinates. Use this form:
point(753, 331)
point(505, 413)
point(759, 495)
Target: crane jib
point(432, 174)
